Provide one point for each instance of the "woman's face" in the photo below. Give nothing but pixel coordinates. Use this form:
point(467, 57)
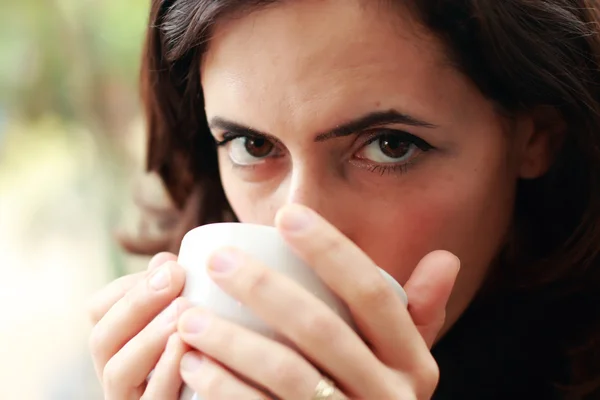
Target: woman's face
point(355, 111)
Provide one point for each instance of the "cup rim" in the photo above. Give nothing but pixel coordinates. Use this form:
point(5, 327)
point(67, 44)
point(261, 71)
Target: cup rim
point(396, 286)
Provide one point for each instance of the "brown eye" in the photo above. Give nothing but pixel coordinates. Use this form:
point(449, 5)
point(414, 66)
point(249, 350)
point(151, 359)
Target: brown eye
point(258, 147)
point(394, 146)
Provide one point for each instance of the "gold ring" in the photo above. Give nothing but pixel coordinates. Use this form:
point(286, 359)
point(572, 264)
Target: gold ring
point(325, 390)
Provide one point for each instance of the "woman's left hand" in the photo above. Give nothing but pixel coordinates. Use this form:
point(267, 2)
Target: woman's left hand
point(390, 359)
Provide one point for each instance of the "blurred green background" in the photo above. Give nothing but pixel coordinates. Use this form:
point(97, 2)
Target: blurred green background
point(71, 152)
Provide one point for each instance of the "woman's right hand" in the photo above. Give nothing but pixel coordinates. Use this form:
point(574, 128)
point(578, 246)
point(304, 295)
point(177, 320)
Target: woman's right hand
point(132, 335)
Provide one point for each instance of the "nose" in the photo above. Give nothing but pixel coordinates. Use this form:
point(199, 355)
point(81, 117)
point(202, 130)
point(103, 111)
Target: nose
point(307, 188)
point(317, 190)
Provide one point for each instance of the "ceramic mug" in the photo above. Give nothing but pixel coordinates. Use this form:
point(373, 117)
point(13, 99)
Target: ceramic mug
point(266, 245)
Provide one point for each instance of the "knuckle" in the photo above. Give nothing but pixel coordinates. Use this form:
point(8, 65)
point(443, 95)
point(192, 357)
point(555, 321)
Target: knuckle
point(439, 320)
point(94, 310)
point(134, 300)
point(95, 307)
point(373, 293)
point(214, 383)
point(318, 327)
point(427, 377)
point(111, 375)
point(97, 342)
point(286, 371)
point(258, 281)
point(399, 387)
point(220, 336)
point(326, 244)
point(98, 305)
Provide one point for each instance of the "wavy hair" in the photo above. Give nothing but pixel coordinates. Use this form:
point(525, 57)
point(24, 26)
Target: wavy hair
point(521, 54)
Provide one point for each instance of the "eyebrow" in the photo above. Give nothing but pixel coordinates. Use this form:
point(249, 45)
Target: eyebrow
point(371, 120)
point(234, 127)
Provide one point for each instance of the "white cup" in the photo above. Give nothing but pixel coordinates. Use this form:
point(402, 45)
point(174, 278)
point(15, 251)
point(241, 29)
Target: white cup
point(266, 245)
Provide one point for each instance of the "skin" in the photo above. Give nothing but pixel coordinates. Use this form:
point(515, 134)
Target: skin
point(275, 72)
point(295, 72)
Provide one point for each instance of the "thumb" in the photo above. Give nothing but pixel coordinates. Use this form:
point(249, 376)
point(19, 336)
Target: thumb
point(428, 290)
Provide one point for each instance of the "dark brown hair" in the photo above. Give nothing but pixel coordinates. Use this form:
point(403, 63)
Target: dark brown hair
point(521, 54)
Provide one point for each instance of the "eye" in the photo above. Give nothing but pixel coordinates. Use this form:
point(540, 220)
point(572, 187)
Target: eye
point(248, 150)
point(388, 149)
point(392, 148)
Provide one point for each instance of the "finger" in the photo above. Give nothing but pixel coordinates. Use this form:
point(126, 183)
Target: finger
point(127, 370)
point(269, 364)
point(161, 259)
point(103, 300)
point(134, 311)
point(429, 289)
point(379, 312)
point(114, 291)
point(320, 334)
point(213, 382)
point(166, 381)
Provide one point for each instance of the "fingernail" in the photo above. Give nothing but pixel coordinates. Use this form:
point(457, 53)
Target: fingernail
point(160, 279)
point(295, 219)
point(194, 323)
point(191, 362)
point(223, 261)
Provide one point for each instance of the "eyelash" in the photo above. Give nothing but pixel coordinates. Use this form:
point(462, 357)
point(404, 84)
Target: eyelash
point(228, 137)
point(373, 136)
point(383, 169)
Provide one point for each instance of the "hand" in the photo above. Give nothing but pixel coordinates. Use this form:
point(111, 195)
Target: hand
point(390, 360)
point(131, 331)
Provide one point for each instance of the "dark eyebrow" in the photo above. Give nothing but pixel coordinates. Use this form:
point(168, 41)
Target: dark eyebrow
point(236, 128)
point(371, 120)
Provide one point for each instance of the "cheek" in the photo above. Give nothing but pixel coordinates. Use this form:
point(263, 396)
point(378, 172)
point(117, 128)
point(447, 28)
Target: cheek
point(397, 239)
point(468, 217)
point(397, 220)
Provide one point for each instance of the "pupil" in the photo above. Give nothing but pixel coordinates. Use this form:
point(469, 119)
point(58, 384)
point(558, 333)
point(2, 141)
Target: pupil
point(258, 147)
point(393, 146)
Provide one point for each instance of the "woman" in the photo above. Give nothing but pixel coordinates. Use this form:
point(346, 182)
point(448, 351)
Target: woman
point(404, 134)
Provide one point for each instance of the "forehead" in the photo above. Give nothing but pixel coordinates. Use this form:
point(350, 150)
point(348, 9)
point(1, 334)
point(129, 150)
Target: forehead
point(299, 55)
